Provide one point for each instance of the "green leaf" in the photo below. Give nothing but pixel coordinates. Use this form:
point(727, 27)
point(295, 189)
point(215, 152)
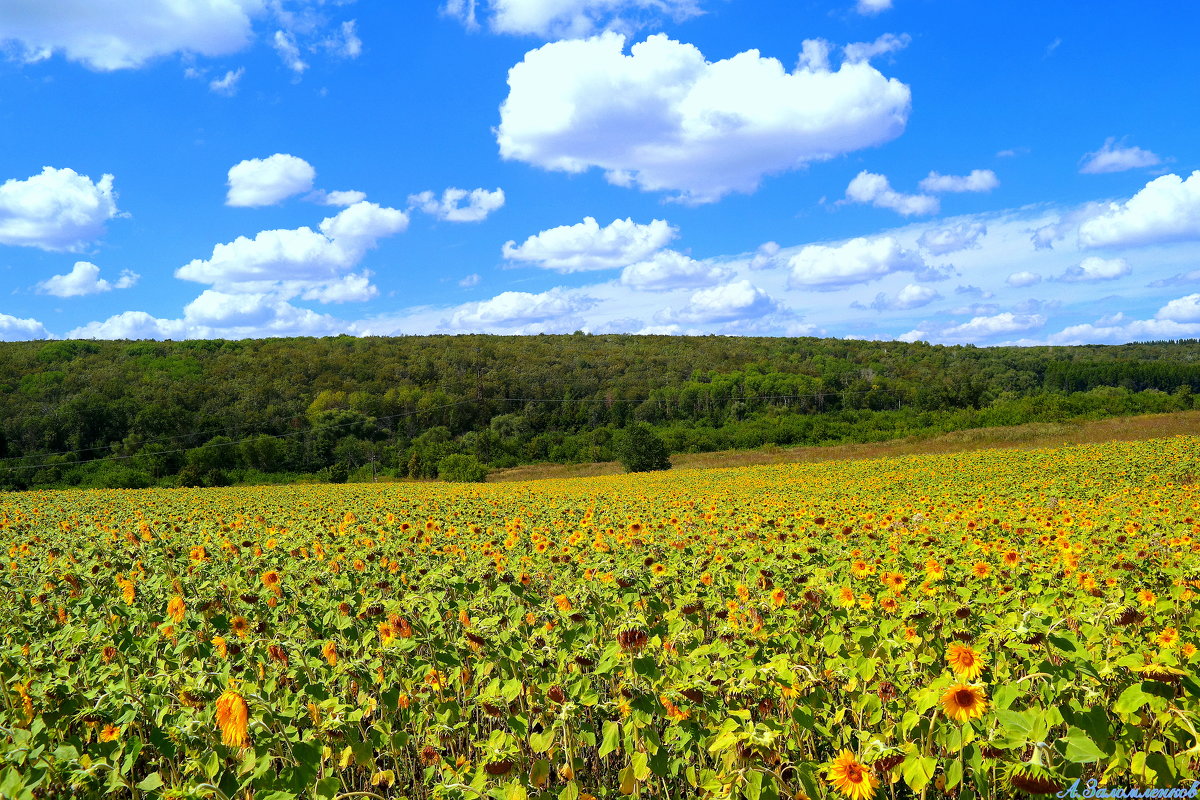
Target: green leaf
point(917, 770)
point(1133, 698)
point(612, 738)
point(570, 791)
point(1081, 749)
point(151, 782)
point(328, 787)
point(954, 774)
point(541, 742)
point(641, 766)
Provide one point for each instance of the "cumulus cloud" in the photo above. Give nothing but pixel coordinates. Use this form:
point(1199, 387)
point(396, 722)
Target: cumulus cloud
point(451, 207)
point(568, 19)
point(665, 119)
point(979, 180)
point(766, 256)
point(118, 34)
point(521, 310)
point(16, 329)
point(911, 296)
point(267, 181)
point(870, 8)
point(1166, 209)
point(1023, 279)
point(289, 52)
point(668, 269)
point(1183, 309)
point(830, 267)
point(986, 327)
point(952, 238)
point(228, 85)
point(215, 316)
point(339, 198)
point(1096, 269)
point(300, 254)
point(586, 246)
point(726, 303)
point(56, 210)
point(887, 43)
point(84, 278)
point(1114, 157)
point(869, 187)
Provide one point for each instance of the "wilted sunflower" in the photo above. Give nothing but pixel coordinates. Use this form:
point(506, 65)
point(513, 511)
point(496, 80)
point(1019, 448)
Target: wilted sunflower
point(233, 718)
point(966, 663)
point(851, 778)
point(963, 702)
point(176, 609)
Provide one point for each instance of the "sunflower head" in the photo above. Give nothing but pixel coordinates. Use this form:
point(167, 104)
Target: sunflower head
point(963, 702)
point(850, 777)
point(966, 663)
point(233, 718)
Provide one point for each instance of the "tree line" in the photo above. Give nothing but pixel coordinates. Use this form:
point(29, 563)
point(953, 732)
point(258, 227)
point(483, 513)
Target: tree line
point(120, 413)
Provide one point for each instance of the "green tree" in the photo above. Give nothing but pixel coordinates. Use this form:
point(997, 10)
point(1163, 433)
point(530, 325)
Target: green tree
point(462, 468)
point(640, 449)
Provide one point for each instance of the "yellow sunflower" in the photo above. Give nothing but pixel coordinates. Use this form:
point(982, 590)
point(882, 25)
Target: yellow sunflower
point(966, 663)
point(853, 779)
point(963, 702)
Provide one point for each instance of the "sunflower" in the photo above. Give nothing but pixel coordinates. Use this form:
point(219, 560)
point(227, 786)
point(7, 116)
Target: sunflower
point(240, 625)
point(966, 663)
point(110, 733)
point(851, 778)
point(233, 718)
point(219, 643)
point(846, 597)
point(1146, 597)
point(894, 580)
point(329, 651)
point(963, 702)
point(981, 570)
point(176, 609)
point(1168, 637)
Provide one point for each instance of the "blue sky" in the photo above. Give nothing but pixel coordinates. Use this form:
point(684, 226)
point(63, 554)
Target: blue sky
point(896, 169)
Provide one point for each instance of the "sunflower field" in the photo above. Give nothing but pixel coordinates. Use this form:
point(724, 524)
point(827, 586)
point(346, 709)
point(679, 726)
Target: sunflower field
point(985, 625)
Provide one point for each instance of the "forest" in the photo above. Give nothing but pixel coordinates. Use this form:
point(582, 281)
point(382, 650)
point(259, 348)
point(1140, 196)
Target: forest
point(200, 413)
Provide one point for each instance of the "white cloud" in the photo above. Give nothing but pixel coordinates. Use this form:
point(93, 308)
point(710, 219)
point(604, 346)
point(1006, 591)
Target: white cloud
point(227, 85)
point(887, 43)
point(872, 7)
point(1183, 309)
point(340, 198)
point(665, 119)
point(1166, 209)
point(84, 278)
point(986, 327)
point(766, 256)
point(119, 34)
point(979, 180)
point(479, 203)
point(668, 269)
point(56, 210)
point(858, 260)
point(16, 329)
point(1023, 279)
point(131, 325)
point(267, 181)
point(516, 310)
point(345, 42)
point(1113, 157)
point(470, 281)
point(911, 296)
point(569, 19)
point(289, 52)
point(213, 315)
point(353, 288)
point(869, 187)
point(587, 246)
point(732, 301)
point(300, 254)
point(1096, 269)
point(960, 236)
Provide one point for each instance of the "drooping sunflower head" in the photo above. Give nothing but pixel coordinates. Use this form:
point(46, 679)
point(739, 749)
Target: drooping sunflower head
point(963, 702)
point(850, 777)
point(176, 609)
point(966, 663)
point(233, 718)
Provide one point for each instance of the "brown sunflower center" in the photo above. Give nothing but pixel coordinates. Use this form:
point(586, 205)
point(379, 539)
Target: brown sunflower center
point(964, 698)
point(854, 773)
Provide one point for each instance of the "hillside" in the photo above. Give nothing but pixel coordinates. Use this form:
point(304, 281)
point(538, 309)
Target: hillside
point(80, 413)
